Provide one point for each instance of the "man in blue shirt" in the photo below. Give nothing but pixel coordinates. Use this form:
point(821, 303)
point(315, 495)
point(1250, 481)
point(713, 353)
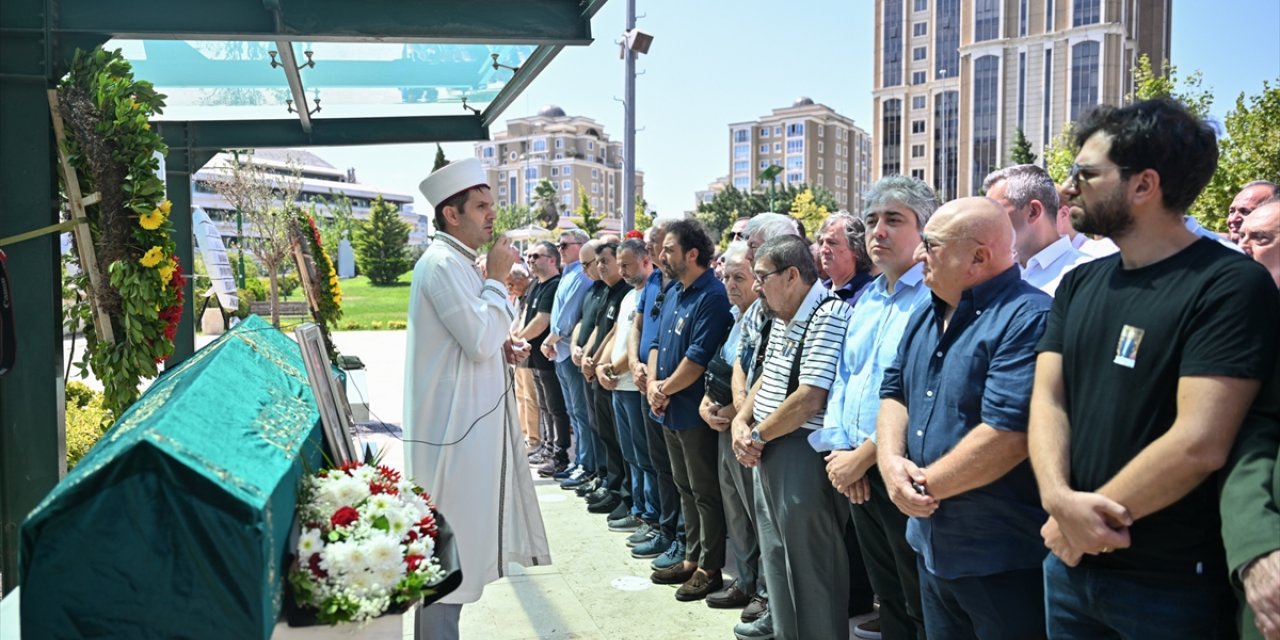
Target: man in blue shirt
point(951, 436)
point(691, 329)
point(565, 312)
point(897, 208)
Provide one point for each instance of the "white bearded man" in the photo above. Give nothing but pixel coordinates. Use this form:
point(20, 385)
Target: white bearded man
point(462, 438)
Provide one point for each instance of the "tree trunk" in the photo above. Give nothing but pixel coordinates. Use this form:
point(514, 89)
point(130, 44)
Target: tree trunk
point(272, 275)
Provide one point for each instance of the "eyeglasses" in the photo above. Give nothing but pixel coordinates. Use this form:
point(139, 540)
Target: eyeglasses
point(587, 265)
point(535, 256)
point(737, 235)
point(761, 277)
point(1084, 172)
point(931, 243)
point(657, 304)
point(566, 245)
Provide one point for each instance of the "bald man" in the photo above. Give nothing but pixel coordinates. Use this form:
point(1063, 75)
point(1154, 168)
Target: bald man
point(1258, 237)
point(951, 435)
point(1247, 201)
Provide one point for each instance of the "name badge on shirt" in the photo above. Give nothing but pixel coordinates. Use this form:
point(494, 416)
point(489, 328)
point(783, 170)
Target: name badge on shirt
point(613, 311)
point(679, 325)
point(789, 349)
point(1127, 346)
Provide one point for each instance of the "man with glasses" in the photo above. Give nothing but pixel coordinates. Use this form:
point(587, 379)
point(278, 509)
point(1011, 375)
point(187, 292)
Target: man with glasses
point(951, 439)
point(801, 519)
point(565, 312)
point(544, 261)
point(1029, 196)
point(1139, 393)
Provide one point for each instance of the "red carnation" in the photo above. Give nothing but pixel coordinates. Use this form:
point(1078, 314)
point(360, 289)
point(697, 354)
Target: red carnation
point(634, 234)
point(314, 564)
point(413, 560)
point(344, 516)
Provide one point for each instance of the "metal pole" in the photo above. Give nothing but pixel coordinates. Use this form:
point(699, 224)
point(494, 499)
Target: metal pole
point(629, 128)
point(239, 232)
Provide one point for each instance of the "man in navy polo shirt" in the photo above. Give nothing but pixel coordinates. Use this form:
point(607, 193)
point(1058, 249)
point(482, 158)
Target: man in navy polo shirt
point(691, 329)
point(951, 437)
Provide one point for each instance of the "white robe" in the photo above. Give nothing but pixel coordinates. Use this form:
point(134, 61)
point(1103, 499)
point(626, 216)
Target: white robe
point(456, 376)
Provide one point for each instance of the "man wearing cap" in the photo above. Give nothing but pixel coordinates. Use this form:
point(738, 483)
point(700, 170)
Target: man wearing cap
point(462, 442)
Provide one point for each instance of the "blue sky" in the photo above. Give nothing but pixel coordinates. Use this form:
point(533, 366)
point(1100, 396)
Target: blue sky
point(717, 62)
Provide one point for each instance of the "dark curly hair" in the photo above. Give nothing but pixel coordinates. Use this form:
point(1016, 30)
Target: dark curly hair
point(1159, 134)
point(692, 234)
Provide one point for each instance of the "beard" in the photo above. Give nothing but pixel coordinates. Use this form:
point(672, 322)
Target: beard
point(1109, 217)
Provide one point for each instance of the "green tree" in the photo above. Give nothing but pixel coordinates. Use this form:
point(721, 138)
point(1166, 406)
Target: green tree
point(643, 219)
point(811, 213)
point(335, 219)
point(1060, 153)
point(588, 219)
point(1147, 84)
point(440, 159)
point(1021, 152)
point(544, 203)
point(1249, 151)
point(380, 244)
point(725, 207)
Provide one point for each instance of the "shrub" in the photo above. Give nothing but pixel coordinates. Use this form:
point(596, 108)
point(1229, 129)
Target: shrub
point(287, 284)
point(87, 420)
point(352, 325)
point(375, 325)
point(397, 324)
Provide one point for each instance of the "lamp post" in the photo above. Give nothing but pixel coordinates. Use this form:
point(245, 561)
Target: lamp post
point(239, 231)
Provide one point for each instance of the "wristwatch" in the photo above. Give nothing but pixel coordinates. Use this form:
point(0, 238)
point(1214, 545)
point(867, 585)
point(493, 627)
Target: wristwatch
point(756, 437)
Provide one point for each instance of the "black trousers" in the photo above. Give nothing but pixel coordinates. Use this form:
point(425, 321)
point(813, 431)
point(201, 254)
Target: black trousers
point(554, 413)
point(616, 477)
point(695, 454)
point(669, 521)
point(890, 561)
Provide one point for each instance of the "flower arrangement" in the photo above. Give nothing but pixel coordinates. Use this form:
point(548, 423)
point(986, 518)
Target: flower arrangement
point(367, 544)
point(113, 149)
point(328, 291)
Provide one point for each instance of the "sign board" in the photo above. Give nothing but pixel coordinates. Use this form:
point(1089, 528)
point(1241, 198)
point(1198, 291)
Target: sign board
point(209, 241)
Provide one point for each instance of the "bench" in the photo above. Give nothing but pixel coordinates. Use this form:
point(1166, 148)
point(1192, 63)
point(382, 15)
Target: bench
point(287, 308)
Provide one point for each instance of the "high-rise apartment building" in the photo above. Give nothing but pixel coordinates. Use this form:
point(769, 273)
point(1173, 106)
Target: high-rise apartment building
point(565, 150)
point(814, 145)
point(956, 79)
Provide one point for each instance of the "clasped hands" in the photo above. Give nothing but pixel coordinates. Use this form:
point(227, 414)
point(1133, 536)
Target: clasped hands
point(746, 450)
point(899, 473)
point(848, 476)
point(658, 400)
point(716, 416)
point(1081, 522)
point(515, 350)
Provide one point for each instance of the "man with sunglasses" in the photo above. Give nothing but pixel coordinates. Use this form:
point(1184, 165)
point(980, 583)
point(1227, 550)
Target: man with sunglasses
point(1139, 394)
point(565, 312)
point(544, 261)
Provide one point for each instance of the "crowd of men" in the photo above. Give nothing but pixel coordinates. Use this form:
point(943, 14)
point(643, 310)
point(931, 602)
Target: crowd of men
point(1050, 411)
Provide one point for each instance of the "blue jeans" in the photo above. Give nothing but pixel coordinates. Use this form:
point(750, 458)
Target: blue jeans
point(1090, 602)
point(575, 398)
point(635, 447)
point(1002, 605)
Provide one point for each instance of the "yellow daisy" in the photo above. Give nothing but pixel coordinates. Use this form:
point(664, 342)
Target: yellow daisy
point(151, 221)
point(166, 272)
point(165, 207)
point(152, 258)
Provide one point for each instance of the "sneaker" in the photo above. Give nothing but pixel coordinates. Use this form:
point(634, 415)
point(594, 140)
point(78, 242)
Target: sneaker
point(566, 473)
point(588, 487)
point(643, 534)
point(674, 555)
point(756, 608)
point(575, 482)
point(869, 630)
point(605, 505)
point(550, 469)
point(621, 511)
point(625, 523)
point(651, 548)
point(760, 629)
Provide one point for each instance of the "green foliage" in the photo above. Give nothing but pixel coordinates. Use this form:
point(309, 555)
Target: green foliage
point(588, 219)
point(86, 421)
point(1021, 151)
point(1250, 151)
point(397, 324)
point(731, 204)
point(643, 219)
point(440, 159)
point(1147, 85)
point(112, 147)
point(544, 204)
point(811, 213)
point(337, 222)
point(380, 244)
point(1060, 154)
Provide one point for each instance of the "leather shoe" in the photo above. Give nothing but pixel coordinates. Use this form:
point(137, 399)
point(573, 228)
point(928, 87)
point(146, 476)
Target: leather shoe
point(754, 609)
point(699, 585)
point(597, 495)
point(674, 574)
point(731, 598)
point(609, 503)
point(620, 511)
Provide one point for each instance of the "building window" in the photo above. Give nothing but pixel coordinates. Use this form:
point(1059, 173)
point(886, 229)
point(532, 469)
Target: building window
point(595, 174)
point(1022, 90)
point(795, 129)
point(611, 178)
point(591, 158)
point(531, 173)
point(1048, 16)
point(918, 174)
point(566, 201)
point(1086, 12)
point(917, 151)
point(559, 156)
point(795, 178)
point(488, 152)
point(920, 29)
point(595, 203)
point(891, 142)
point(559, 143)
point(821, 131)
point(764, 164)
point(1022, 18)
point(917, 102)
point(595, 188)
point(741, 183)
point(917, 126)
point(917, 77)
point(591, 146)
point(922, 5)
point(764, 148)
point(919, 53)
point(513, 155)
point(946, 130)
point(539, 145)
point(555, 171)
point(741, 166)
point(820, 163)
point(502, 175)
point(986, 20)
point(741, 151)
point(820, 145)
point(1084, 77)
point(777, 147)
point(502, 190)
point(946, 40)
point(986, 84)
point(891, 63)
point(741, 135)
point(566, 185)
point(795, 164)
point(795, 146)
point(1048, 96)
point(764, 132)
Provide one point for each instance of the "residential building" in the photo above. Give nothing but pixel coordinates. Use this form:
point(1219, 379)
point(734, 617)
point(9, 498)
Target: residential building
point(955, 79)
point(707, 195)
point(567, 151)
point(814, 145)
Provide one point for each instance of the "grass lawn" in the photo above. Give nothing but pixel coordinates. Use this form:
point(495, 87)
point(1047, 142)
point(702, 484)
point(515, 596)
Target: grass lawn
point(364, 304)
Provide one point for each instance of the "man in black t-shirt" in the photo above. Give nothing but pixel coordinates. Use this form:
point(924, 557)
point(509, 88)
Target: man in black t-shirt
point(1139, 394)
point(544, 261)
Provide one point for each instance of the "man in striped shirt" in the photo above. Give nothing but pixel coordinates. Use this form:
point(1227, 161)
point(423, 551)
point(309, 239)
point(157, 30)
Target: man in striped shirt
point(801, 516)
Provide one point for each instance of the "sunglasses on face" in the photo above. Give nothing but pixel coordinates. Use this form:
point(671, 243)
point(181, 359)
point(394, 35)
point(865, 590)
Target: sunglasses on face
point(566, 245)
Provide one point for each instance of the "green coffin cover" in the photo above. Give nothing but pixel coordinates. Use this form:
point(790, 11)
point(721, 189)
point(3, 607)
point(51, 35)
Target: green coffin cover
point(175, 524)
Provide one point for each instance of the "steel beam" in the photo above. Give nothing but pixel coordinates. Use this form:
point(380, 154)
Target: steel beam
point(214, 136)
point(289, 62)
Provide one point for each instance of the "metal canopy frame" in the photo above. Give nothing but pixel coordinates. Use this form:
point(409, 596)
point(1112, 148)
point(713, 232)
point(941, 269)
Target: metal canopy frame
point(37, 41)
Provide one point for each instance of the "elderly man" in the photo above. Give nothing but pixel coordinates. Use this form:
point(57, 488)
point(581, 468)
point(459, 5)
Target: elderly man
point(842, 256)
point(692, 326)
point(1259, 234)
point(1139, 393)
point(455, 374)
point(566, 310)
point(951, 437)
point(518, 281)
point(897, 208)
point(801, 518)
point(1029, 196)
point(1249, 199)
